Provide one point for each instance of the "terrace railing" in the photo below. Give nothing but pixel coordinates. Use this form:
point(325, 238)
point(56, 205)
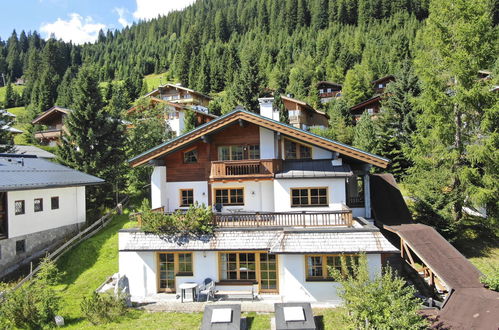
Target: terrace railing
point(251, 168)
point(284, 219)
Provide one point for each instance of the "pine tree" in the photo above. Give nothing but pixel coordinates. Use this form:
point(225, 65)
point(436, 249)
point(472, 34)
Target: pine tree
point(10, 100)
point(357, 86)
point(189, 121)
point(221, 28)
point(455, 43)
point(279, 105)
point(6, 138)
point(94, 141)
point(246, 87)
point(365, 133)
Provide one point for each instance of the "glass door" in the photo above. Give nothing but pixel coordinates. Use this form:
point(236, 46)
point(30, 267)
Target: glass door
point(268, 273)
point(167, 272)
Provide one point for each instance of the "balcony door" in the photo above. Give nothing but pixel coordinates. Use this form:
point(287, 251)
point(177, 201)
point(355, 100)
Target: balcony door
point(355, 192)
point(166, 272)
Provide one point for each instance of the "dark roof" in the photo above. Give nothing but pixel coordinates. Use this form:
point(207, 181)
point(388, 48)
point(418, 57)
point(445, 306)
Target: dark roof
point(362, 104)
point(439, 255)
point(471, 308)
point(389, 77)
point(50, 111)
point(23, 173)
point(330, 83)
point(384, 188)
point(32, 150)
point(236, 115)
point(322, 168)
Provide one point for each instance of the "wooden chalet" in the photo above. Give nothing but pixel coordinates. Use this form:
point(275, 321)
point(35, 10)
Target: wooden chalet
point(53, 120)
point(373, 104)
point(328, 90)
point(381, 83)
point(287, 204)
point(301, 115)
point(176, 93)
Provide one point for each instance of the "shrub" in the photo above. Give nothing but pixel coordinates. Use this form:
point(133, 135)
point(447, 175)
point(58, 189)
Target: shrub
point(103, 308)
point(196, 220)
point(385, 302)
point(35, 304)
point(491, 280)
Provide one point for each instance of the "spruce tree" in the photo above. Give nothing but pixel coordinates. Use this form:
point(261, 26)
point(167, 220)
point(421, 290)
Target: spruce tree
point(357, 86)
point(279, 105)
point(457, 41)
point(246, 87)
point(365, 133)
point(94, 140)
point(6, 138)
point(10, 100)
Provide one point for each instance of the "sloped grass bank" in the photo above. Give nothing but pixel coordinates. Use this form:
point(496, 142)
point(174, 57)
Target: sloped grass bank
point(92, 261)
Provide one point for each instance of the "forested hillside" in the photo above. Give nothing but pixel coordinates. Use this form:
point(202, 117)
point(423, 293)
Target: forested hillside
point(438, 125)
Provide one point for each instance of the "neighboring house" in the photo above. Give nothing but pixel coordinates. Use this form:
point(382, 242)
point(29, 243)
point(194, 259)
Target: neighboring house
point(41, 203)
point(175, 114)
point(176, 93)
point(12, 130)
point(373, 104)
point(32, 150)
point(301, 114)
point(53, 119)
point(328, 90)
point(287, 205)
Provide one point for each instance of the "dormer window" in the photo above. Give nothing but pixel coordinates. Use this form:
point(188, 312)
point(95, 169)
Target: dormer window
point(295, 150)
point(191, 156)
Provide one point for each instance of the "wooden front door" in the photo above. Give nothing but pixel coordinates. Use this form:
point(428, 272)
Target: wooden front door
point(166, 272)
point(268, 273)
point(3, 215)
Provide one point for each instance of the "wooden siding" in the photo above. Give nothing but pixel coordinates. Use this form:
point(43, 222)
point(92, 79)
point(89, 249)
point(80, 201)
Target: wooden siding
point(232, 135)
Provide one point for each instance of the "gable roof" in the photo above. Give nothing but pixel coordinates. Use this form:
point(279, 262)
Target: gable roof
point(305, 104)
point(362, 104)
point(261, 121)
point(330, 83)
point(382, 79)
point(24, 172)
point(179, 87)
point(49, 112)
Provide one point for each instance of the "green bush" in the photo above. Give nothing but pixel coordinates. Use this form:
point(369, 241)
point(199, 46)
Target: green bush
point(196, 220)
point(103, 308)
point(35, 304)
point(385, 302)
point(491, 280)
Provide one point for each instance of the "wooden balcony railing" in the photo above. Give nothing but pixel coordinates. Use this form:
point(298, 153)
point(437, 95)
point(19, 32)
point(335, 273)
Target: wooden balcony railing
point(48, 134)
point(251, 168)
point(284, 219)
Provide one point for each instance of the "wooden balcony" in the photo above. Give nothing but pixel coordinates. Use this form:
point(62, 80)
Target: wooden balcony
point(241, 169)
point(342, 218)
point(50, 134)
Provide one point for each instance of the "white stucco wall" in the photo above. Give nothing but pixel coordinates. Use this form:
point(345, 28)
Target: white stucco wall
point(172, 193)
point(71, 210)
point(158, 187)
point(319, 153)
point(293, 287)
point(267, 144)
point(266, 108)
point(141, 269)
point(282, 190)
point(258, 196)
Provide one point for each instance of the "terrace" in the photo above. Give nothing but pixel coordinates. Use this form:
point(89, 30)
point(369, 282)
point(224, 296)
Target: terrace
point(250, 168)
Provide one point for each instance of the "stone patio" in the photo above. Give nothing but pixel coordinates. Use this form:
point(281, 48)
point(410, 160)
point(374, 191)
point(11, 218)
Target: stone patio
point(165, 302)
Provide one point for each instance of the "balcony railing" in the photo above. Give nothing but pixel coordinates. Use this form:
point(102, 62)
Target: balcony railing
point(48, 134)
point(284, 219)
point(252, 168)
point(337, 218)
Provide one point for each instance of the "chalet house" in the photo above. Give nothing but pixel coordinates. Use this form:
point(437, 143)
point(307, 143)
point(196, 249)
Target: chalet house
point(174, 113)
point(287, 205)
point(176, 93)
point(301, 114)
point(373, 104)
point(328, 90)
point(53, 120)
point(41, 203)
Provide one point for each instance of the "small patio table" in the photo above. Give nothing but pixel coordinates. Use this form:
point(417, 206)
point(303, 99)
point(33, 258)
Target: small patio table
point(188, 286)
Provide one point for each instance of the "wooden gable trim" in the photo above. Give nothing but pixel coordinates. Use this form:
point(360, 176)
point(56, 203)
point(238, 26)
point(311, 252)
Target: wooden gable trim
point(262, 122)
point(48, 113)
point(366, 102)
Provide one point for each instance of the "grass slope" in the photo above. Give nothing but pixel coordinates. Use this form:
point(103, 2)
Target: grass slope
point(90, 263)
point(17, 89)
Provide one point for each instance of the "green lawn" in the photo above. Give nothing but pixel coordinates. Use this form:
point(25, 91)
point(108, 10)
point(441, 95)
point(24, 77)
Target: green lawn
point(488, 262)
point(91, 262)
point(154, 80)
point(17, 89)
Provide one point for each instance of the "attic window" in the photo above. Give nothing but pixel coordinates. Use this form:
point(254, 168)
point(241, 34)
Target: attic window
point(295, 150)
point(191, 156)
